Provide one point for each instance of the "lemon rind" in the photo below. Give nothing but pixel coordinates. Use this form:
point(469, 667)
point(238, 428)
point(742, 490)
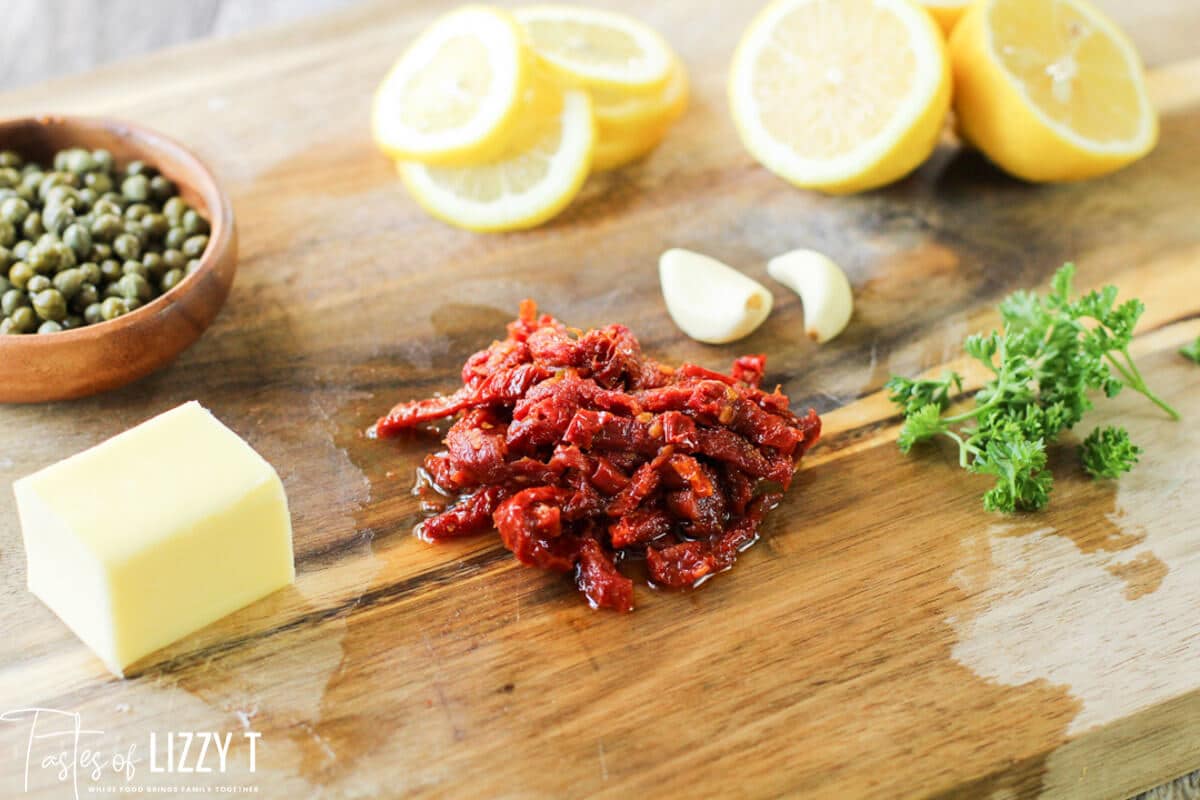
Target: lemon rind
point(517, 212)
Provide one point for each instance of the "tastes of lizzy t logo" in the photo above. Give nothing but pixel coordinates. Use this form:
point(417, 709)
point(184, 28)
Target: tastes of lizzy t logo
point(60, 749)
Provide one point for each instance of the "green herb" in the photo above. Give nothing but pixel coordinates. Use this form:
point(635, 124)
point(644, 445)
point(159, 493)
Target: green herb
point(1107, 453)
point(1192, 350)
point(1052, 354)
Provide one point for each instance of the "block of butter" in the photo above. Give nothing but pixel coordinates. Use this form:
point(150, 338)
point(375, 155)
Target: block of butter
point(155, 533)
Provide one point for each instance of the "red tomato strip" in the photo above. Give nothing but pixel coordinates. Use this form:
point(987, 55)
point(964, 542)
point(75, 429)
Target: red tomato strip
point(581, 451)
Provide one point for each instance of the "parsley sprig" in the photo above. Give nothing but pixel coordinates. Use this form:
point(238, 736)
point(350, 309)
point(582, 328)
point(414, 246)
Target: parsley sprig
point(1052, 353)
point(1192, 350)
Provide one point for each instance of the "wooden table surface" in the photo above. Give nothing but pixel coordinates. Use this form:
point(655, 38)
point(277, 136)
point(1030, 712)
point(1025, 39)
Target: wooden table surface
point(887, 638)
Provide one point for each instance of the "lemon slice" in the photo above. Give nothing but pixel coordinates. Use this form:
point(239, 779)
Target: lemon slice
point(524, 187)
point(598, 49)
point(840, 95)
point(1050, 90)
point(946, 12)
point(615, 152)
point(619, 114)
point(452, 98)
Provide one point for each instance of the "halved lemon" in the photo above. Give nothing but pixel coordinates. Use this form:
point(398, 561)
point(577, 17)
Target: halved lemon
point(598, 49)
point(525, 187)
point(840, 95)
point(619, 114)
point(1050, 90)
point(453, 97)
point(946, 12)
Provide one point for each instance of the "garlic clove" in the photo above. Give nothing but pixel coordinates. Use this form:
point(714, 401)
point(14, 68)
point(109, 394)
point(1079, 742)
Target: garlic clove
point(823, 288)
point(709, 301)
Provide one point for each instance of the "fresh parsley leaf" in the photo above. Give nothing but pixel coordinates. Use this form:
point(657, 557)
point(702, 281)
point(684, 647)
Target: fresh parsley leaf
point(1108, 453)
point(1191, 351)
point(914, 395)
point(1022, 481)
point(925, 423)
point(1051, 356)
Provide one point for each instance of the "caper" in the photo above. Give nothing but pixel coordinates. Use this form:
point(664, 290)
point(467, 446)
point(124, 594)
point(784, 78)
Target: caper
point(52, 179)
point(134, 287)
point(174, 259)
point(69, 282)
point(175, 238)
point(106, 206)
point(193, 223)
point(82, 242)
point(194, 246)
point(112, 308)
point(99, 182)
point(14, 210)
point(136, 188)
point(161, 188)
point(61, 194)
point(155, 266)
point(11, 300)
point(57, 218)
point(85, 296)
point(127, 246)
point(107, 227)
point(30, 181)
point(78, 239)
point(23, 320)
point(155, 225)
point(50, 304)
point(20, 273)
point(135, 268)
point(174, 209)
point(79, 161)
point(44, 258)
point(136, 211)
point(32, 225)
point(171, 279)
point(104, 160)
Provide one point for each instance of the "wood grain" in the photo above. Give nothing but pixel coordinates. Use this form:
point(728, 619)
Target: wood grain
point(886, 638)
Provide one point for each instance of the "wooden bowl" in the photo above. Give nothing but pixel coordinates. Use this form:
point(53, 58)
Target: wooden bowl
point(95, 358)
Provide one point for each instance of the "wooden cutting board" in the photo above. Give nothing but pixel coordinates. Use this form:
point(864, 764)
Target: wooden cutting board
point(886, 638)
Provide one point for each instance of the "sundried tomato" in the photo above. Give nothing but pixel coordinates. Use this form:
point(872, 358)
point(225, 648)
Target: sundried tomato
point(579, 450)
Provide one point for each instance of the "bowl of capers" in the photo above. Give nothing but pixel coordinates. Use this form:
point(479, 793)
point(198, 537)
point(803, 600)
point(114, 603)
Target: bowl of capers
point(117, 250)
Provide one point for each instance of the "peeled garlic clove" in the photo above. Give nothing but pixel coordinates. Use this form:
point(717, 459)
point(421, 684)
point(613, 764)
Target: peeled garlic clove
point(710, 301)
point(823, 289)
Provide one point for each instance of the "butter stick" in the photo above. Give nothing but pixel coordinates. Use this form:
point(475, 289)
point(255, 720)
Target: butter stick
point(155, 533)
